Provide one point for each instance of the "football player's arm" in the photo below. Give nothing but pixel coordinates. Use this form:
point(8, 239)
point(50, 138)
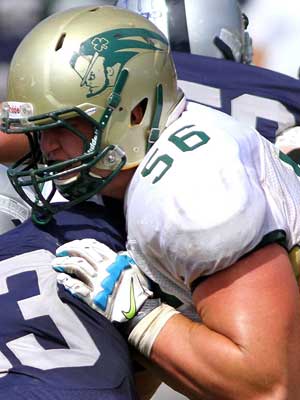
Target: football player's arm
point(248, 344)
point(12, 147)
point(93, 267)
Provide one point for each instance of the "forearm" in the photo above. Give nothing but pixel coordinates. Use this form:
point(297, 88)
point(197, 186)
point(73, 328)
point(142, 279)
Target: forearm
point(12, 147)
point(203, 364)
point(248, 344)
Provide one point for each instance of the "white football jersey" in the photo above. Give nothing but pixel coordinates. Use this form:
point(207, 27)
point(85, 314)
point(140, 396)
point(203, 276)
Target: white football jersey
point(208, 192)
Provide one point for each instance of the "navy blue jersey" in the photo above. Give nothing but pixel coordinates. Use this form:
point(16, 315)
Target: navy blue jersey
point(262, 98)
point(86, 220)
point(52, 344)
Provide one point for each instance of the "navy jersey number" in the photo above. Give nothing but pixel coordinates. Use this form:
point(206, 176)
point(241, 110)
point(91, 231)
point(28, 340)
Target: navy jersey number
point(80, 349)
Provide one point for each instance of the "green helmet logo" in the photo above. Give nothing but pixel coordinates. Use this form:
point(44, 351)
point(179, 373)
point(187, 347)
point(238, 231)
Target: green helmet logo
point(101, 57)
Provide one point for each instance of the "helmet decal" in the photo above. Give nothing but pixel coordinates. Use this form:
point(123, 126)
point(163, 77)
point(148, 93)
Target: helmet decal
point(101, 58)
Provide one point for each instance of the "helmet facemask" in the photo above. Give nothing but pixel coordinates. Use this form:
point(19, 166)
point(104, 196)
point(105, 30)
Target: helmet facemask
point(73, 177)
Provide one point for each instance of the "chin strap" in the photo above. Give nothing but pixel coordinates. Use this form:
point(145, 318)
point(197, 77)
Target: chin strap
point(114, 99)
point(154, 130)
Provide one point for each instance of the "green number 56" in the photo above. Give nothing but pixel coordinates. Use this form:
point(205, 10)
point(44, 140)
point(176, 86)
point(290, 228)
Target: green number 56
point(199, 138)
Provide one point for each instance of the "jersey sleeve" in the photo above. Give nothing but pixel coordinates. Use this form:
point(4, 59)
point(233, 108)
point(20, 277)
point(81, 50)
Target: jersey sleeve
point(206, 212)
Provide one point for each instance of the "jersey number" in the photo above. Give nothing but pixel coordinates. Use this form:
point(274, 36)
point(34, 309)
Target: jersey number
point(184, 142)
point(81, 350)
point(246, 108)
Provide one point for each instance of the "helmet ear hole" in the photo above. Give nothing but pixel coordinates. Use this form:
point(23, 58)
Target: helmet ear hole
point(137, 114)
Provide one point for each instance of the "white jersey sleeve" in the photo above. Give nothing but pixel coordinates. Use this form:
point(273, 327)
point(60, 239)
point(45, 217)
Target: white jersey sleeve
point(13, 209)
point(200, 199)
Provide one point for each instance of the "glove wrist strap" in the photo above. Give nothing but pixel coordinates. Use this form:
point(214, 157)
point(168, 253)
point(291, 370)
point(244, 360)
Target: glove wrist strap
point(145, 332)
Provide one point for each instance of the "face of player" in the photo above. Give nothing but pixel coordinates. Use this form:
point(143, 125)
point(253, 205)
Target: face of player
point(60, 144)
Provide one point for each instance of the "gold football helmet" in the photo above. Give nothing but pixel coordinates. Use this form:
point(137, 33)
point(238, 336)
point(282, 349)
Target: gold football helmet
point(98, 63)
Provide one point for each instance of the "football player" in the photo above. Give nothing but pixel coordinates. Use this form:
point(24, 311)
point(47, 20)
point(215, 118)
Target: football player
point(211, 205)
point(52, 345)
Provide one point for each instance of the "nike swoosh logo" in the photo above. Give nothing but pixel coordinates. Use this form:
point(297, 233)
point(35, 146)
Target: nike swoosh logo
point(132, 309)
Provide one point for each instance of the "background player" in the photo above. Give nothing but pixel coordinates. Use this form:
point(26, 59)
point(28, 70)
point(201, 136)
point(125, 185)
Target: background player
point(51, 345)
point(205, 37)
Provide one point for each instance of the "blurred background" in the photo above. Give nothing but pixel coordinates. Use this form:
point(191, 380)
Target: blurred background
point(274, 27)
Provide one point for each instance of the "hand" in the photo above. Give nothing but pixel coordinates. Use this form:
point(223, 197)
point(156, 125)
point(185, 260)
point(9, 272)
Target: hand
point(108, 282)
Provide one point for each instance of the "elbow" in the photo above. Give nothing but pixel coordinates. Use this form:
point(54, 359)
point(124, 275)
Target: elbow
point(259, 381)
point(257, 386)
point(276, 391)
point(260, 391)
point(268, 385)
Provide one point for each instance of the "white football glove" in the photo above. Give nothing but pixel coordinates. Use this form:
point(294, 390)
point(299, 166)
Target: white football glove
point(112, 284)
point(108, 282)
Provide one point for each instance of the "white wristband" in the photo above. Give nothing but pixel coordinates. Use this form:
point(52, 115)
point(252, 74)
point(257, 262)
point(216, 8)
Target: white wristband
point(145, 332)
